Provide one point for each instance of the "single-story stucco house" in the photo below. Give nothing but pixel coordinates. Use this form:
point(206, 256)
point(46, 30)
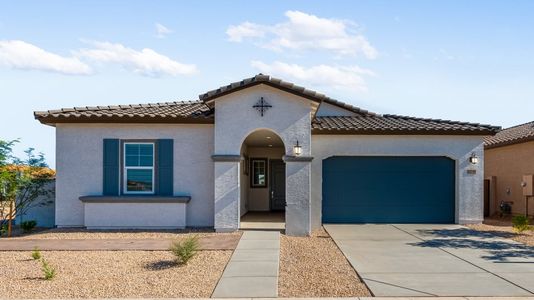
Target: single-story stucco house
point(509, 168)
point(262, 144)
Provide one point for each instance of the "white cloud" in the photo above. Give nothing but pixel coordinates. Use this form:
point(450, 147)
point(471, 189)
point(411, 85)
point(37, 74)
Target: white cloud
point(145, 62)
point(349, 78)
point(21, 55)
point(303, 31)
point(162, 31)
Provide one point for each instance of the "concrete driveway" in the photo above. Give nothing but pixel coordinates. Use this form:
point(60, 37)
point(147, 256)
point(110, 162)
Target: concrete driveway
point(436, 260)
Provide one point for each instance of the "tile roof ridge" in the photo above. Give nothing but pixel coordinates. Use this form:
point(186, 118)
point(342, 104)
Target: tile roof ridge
point(438, 120)
point(519, 125)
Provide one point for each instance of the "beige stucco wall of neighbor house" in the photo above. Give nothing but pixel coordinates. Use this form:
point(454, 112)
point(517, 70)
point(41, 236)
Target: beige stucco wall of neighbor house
point(235, 119)
point(507, 165)
point(469, 187)
point(79, 152)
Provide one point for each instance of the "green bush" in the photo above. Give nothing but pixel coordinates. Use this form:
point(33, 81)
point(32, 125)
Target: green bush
point(3, 230)
point(36, 253)
point(521, 223)
point(48, 271)
point(28, 226)
point(185, 250)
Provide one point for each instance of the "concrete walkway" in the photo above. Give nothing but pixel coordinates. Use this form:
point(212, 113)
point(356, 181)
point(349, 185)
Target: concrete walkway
point(253, 268)
point(436, 260)
point(227, 242)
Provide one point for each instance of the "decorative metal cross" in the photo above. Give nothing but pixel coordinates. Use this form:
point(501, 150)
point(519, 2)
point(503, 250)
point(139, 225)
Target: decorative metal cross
point(262, 106)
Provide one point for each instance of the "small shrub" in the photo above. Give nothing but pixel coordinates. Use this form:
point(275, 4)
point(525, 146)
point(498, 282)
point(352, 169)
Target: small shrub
point(28, 226)
point(185, 250)
point(48, 271)
point(36, 253)
point(521, 223)
point(3, 230)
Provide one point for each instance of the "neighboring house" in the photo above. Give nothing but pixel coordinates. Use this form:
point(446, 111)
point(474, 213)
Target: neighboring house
point(509, 155)
point(262, 144)
point(42, 210)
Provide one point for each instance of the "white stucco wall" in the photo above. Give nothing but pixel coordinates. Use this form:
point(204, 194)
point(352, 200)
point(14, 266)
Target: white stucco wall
point(469, 187)
point(135, 215)
point(235, 118)
point(79, 156)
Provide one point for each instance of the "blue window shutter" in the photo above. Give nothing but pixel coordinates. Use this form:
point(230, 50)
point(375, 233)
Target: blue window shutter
point(111, 167)
point(165, 166)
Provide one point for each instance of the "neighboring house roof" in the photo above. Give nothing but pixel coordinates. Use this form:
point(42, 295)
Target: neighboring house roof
point(393, 124)
point(513, 135)
point(363, 122)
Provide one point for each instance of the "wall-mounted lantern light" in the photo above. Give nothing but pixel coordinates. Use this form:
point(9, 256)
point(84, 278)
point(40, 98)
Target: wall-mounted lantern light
point(473, 159)
point(297, 149)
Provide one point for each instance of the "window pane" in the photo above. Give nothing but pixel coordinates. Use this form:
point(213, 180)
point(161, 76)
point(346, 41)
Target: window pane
point(146, 149)
point(139, 180)
point(258, 168)
point(132, 149)
point(145, 161)
point(132, 160)
point(139, 155)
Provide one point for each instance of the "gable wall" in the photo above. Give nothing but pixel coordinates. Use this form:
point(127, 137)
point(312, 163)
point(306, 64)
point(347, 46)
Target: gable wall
point(329, 110)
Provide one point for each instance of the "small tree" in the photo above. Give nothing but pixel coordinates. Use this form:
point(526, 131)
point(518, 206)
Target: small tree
point(22, 182)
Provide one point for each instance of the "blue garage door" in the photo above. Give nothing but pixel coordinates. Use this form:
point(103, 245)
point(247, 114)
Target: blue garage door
point(388, 190)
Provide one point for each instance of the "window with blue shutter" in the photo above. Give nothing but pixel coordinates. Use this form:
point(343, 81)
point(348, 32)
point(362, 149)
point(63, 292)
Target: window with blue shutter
point(147, 167)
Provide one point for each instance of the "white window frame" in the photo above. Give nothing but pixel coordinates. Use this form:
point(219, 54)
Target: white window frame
point(125, 168)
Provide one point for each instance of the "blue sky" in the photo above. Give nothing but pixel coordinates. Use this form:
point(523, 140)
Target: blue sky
point(461, 60)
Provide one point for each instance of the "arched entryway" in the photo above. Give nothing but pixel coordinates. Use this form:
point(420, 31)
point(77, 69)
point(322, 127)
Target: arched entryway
point(262, 181)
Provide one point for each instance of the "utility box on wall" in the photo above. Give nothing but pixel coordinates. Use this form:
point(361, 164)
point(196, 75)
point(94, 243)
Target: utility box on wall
point(528, 185)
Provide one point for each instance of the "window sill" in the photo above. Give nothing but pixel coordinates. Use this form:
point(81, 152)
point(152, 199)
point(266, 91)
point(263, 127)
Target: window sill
point(135, 199)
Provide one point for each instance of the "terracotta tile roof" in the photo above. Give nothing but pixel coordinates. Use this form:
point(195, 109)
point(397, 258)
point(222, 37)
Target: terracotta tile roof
point(168, 112)
point(513, 135)
point(393, 124)
point(279, 84)
point(202, 112)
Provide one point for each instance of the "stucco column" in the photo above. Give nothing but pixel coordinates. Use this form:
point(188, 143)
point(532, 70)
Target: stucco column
point(470, 182)
point(227, 192)
point(298, 195)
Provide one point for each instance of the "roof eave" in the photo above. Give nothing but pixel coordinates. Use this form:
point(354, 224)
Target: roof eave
point(509, 143)
point(325, 131)
point(49, 120)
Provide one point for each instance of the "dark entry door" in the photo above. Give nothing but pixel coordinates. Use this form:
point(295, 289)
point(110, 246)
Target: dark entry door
point(278, 185)
point(388, 190)
point(486, 198)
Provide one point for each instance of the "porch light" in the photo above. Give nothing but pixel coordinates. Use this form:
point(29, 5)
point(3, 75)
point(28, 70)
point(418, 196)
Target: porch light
point(297, 149)
point(473, 159)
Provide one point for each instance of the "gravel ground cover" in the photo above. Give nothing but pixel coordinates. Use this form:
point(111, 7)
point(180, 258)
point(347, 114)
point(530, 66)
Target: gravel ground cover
point(504, 225)
point(98, 274)
point(80, 233)
point(315, 267)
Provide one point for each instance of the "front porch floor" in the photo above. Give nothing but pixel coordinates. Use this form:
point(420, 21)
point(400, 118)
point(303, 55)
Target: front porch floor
point(263, 220)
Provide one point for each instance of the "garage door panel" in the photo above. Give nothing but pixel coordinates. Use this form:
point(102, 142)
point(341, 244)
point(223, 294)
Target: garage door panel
point(388, 189)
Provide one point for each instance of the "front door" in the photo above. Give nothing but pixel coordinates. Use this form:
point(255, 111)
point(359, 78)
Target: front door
point(278, 185)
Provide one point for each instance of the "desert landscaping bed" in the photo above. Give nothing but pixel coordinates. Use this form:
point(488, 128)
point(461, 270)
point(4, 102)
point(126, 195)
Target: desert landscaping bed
point(94, 274)
point(81, 233)
point(503, 226)
point(315, 267)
